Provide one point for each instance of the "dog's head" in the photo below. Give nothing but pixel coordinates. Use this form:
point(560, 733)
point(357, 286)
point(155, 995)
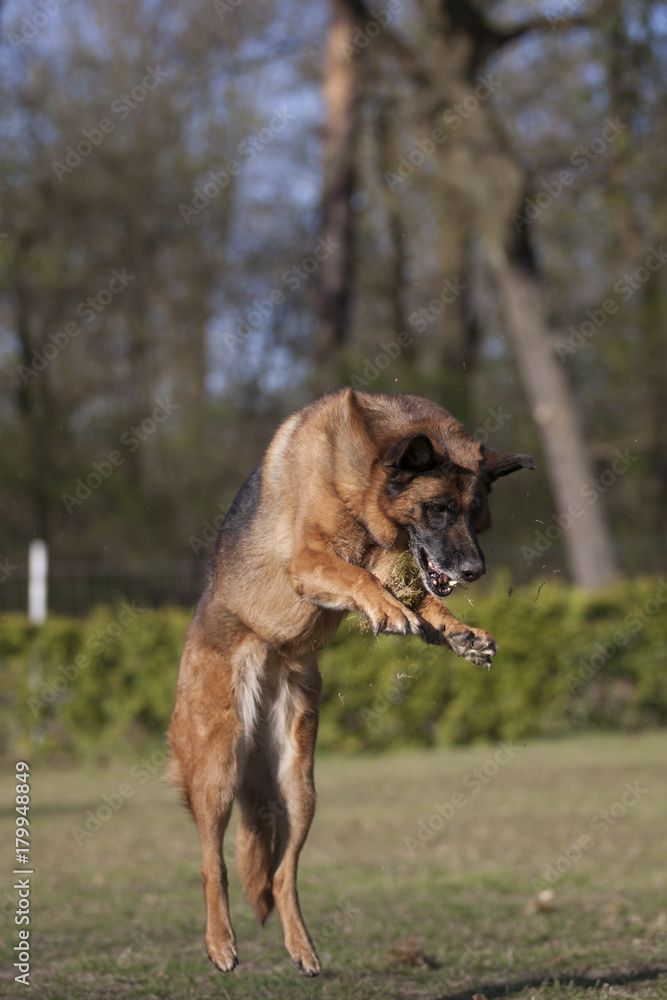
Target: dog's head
point(443, 506)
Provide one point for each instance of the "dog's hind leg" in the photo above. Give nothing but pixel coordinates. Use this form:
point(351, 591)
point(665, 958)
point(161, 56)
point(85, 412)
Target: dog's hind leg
point(204, 747)
point(211, 803)
point(293, 724)
point(212, 814)
point(259, 806)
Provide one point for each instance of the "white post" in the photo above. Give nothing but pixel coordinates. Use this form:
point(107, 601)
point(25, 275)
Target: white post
point(38, 568)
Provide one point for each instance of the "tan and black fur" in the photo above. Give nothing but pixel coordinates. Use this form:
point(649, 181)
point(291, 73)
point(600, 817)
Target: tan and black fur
point(346, 484)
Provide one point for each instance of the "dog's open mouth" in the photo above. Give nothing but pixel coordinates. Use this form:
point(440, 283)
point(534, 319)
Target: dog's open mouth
point(435, 580)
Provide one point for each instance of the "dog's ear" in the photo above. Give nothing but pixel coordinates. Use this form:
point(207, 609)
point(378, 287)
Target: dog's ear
point(413, 455)
point(501, 463)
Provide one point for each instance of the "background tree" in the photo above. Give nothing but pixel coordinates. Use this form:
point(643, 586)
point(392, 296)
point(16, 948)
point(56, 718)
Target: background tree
point(431, 141)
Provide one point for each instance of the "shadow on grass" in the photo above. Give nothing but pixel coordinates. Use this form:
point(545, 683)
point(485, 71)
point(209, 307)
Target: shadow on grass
point(506, 989)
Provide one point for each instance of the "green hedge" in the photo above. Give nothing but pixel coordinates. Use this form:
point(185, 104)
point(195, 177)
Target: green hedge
point(566, 660)
point(98, 684)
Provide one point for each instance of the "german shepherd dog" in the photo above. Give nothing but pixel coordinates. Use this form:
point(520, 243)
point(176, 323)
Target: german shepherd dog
point(347, 484)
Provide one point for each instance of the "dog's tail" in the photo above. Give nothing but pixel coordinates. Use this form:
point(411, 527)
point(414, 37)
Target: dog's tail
point(255, 862)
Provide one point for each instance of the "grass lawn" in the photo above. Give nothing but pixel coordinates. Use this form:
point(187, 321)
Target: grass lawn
point(119, 914)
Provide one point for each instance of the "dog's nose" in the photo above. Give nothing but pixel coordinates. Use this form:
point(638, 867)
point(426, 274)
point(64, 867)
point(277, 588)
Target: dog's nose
point(472, 569)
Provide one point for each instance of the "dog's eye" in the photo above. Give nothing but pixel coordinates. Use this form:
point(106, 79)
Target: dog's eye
point(442, 507)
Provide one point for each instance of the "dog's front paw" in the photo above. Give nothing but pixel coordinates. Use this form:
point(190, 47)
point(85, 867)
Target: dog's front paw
point(394, 618)
point(474, 645)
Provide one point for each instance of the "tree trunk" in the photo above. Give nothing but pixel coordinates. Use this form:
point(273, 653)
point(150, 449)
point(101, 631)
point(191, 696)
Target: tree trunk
point(584, 530)
point(338, 163)
point(496, 185)
point(479, 163)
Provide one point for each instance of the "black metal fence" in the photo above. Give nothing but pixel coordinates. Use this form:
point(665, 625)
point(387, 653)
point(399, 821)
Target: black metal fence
point(76, 587)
